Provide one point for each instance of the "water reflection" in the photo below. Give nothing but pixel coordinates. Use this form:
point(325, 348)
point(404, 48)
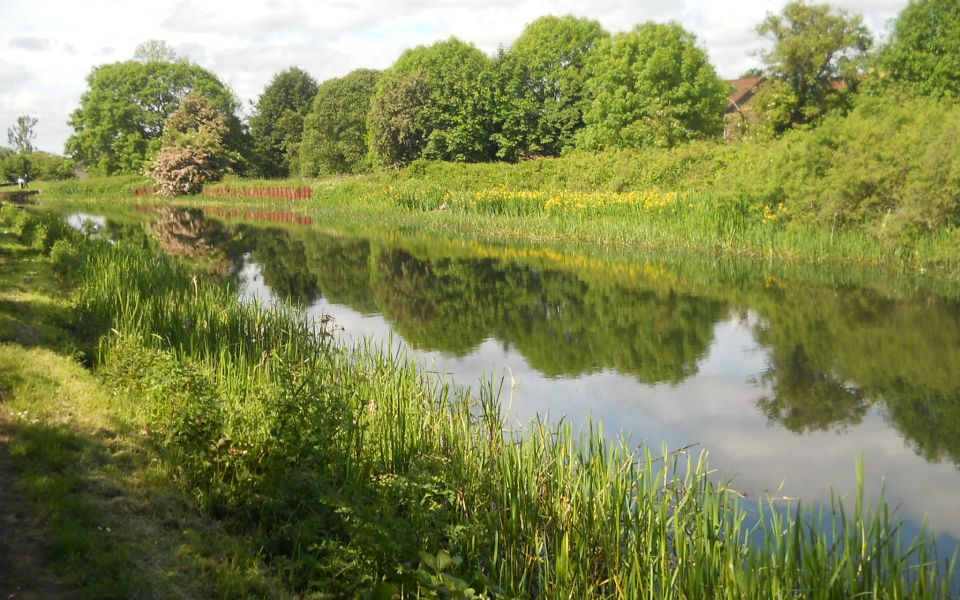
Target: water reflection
point(784, 382)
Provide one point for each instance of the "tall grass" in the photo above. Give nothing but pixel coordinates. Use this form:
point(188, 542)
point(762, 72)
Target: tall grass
point(355, 471)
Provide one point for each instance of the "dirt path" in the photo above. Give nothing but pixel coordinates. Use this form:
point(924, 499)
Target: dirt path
point(24, 572)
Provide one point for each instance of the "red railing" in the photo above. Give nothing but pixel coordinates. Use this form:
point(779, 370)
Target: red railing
point(281, 193)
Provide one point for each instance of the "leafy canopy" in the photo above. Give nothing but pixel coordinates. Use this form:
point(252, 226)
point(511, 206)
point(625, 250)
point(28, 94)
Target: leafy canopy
point(923, 55)
point(121, 115)
point(277, 123)
point(652, 86)
point(457, 117)
point(335, 130)
point(541, 86)
point(816, 60)
point(399, 126)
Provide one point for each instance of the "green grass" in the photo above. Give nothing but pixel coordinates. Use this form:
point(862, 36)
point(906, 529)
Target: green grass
point(111, 523)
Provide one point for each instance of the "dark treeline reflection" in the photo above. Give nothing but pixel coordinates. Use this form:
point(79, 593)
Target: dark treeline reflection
point(833, 353)
point(836, 352)
point(561, 324)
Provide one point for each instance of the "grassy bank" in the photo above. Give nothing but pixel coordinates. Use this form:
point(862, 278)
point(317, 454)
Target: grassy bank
point(352, 472)
point(93, 514)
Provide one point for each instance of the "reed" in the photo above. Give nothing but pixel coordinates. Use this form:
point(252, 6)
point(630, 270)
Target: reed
point(355, 471)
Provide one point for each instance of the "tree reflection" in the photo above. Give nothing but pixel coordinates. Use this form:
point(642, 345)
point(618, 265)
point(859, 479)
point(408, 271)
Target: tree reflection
point(562, 325)
point(833, 353)
point(806, 397)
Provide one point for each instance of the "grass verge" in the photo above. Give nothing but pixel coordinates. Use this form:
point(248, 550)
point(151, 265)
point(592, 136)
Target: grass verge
point(92, 513)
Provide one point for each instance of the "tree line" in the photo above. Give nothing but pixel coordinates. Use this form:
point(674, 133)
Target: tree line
point(564, 84)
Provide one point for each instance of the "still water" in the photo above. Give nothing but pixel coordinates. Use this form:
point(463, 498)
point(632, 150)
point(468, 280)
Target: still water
point(785, 378)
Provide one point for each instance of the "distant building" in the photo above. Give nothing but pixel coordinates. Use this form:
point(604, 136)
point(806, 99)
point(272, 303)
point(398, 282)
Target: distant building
point(743, 91)
point(737, 118)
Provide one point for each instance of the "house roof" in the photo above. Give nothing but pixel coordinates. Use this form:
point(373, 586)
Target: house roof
point(743, 90)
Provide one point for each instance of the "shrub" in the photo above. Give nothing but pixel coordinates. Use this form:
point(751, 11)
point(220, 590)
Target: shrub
point(194, 150)
point(66, 260)
point(183, 170)
point(891, 166)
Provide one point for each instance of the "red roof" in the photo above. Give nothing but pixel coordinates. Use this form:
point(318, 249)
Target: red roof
point(743, 90)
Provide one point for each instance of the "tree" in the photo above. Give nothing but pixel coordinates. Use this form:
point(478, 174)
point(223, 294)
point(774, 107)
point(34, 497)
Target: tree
point(652, 86)
point(193, 148)
point(457, 118)
point(335, 130)
point(121, 115)
point(923, 55)
point(22, 135)
point(541, 81)
point(816, 61)
point(276, 126)
point(155, 51)
point(399, 126)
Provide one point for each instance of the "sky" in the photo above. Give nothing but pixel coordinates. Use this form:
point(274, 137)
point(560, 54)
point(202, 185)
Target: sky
point(48, 47)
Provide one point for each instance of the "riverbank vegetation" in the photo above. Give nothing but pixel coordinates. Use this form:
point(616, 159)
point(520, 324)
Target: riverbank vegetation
point(353, 472)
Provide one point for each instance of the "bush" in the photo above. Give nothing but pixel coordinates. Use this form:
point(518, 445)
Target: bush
point(66, 260)
point(194, 150)
point(892, 166)
point(36, 165)
point(335, 131)
point(177, 171)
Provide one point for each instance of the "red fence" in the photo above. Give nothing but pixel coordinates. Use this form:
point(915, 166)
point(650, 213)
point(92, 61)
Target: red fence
point(282, 193)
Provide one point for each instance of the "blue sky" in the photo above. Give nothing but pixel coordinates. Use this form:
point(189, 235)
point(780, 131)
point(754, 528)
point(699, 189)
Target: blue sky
point(48, 47)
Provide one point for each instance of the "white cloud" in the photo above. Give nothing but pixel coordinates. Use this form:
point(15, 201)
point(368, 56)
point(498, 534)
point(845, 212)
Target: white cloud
point(51, 46)
point(33, 44)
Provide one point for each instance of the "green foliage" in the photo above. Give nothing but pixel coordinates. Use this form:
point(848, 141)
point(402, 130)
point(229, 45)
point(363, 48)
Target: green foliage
point(922, 57)
point(455, 116)
point(39, 230)
point(335, 130)
point(122, 114)
point(651, 86)
point(196, 122)
point(891, 166)
point(194, 150)
point(66, 259)
point(21, 135)
point(277, 124)
point(540, 82)
point(398, 125)
point(15, 166)
point(36, 165)
point(816, 61)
